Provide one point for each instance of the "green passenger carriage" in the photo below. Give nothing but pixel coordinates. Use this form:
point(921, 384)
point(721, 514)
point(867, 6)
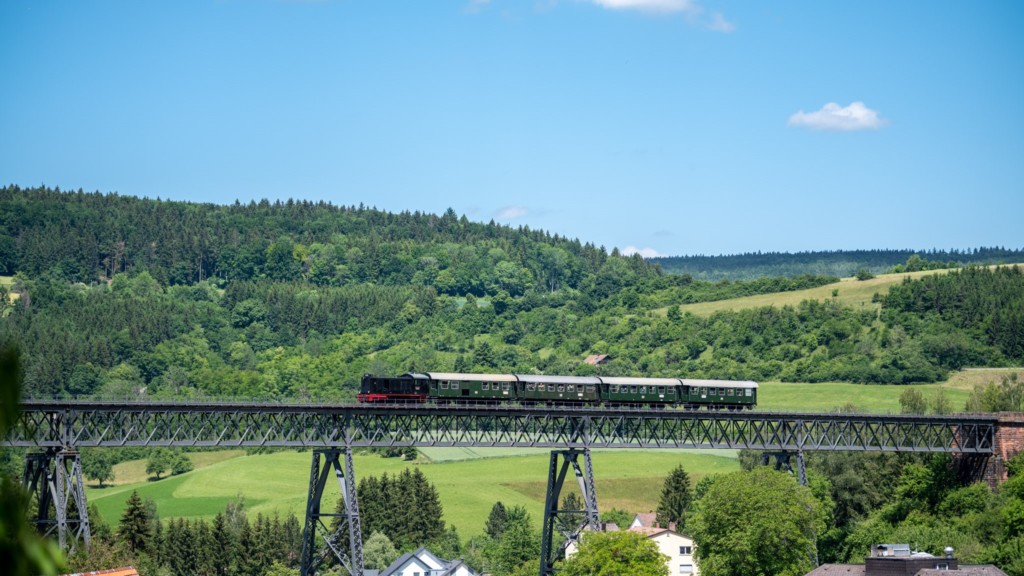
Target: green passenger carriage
point(580, 390)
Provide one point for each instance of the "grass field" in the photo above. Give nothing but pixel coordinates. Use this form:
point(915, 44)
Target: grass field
point(467, 488)
point(852, 292)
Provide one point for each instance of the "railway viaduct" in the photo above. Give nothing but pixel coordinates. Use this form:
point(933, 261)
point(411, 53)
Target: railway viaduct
point(981, 445)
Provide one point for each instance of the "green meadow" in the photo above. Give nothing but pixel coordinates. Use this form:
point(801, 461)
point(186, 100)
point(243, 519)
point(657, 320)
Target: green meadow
point(277, 482)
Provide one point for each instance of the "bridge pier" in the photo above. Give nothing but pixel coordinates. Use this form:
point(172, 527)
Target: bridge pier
point(347, 520)
point(53, 480)
point(568, 523)
point(782, 462)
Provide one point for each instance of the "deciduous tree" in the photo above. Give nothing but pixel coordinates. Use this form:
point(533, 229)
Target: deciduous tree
point(614, 554)
point(756, 523)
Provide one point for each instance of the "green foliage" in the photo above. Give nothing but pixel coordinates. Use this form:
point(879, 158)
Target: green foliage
point(676, 497)
point(616, 553)
point(760, 522)
point(620, 518)
point(1007, 396)
point(835, 263)
point(136, 526)
point(496, 521)
point(862, 274)
point(160, 461)
point(22, 551)
point(518, 545)
point(98, 464)
point(404, 507)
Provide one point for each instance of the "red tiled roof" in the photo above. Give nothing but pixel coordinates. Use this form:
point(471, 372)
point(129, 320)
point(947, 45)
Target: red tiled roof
point(128, 571)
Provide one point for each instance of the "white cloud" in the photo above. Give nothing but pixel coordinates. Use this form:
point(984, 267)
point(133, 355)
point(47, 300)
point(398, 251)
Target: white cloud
point(718, 23)
point(511, 212)
point(835, 118)
point(643, 252)
point(658, 6)
point(475, 6)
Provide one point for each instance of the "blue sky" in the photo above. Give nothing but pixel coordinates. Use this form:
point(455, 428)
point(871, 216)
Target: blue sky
point(662, 126)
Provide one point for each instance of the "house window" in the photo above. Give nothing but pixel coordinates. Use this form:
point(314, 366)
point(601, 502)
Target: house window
point(685, 550)
point(686, 568)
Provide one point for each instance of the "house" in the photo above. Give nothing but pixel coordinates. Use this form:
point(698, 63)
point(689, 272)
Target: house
point(678, 547)
point(644, 520)
point(597, 359)
point(423, 563)
point(898, 560)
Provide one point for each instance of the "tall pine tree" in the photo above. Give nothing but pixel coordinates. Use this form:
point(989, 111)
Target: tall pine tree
point(676, 497)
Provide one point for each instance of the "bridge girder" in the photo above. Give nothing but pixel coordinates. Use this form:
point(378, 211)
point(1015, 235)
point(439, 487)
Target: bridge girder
point(87, 424)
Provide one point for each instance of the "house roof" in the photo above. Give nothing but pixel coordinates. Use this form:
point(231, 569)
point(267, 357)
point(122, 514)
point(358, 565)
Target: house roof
point(858, 570)
point(424, 557)
point(973, 570)
point(127, 571)
point(646, 518)
point(596, 359)
point(838, 570)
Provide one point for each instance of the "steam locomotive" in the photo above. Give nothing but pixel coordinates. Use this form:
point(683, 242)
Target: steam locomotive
point(447, 387)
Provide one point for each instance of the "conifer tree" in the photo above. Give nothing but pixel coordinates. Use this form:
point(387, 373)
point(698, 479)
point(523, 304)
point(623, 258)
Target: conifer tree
point(676, 497)
point(496, 521)
point(135, 528)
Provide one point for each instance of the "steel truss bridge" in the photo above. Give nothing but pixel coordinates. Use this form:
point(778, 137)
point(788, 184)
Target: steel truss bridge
point(60, 428)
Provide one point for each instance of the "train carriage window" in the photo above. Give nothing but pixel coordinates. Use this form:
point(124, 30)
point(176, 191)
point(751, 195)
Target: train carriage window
point(551, 387)
point(748, 392)
point(703, 391)
point(614, 389)
point(561, 388)
point(455, 385)
point(729, 392)
point(590, 389)
point(505, 387)
point(632, 389)
point(485, 386)
point(531, 387)
point(444, 385)
point(643, 389)
point(570, 388)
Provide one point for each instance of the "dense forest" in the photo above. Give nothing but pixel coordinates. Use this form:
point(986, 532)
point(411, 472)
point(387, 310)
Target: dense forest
point(826, 263)
point(120, 296)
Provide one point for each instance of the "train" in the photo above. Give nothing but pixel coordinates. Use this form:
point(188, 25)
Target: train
point(450, 387)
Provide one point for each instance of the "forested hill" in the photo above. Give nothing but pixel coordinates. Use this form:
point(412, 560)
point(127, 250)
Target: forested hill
point(116, 296)
point(825, 263)
point(85, 236)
